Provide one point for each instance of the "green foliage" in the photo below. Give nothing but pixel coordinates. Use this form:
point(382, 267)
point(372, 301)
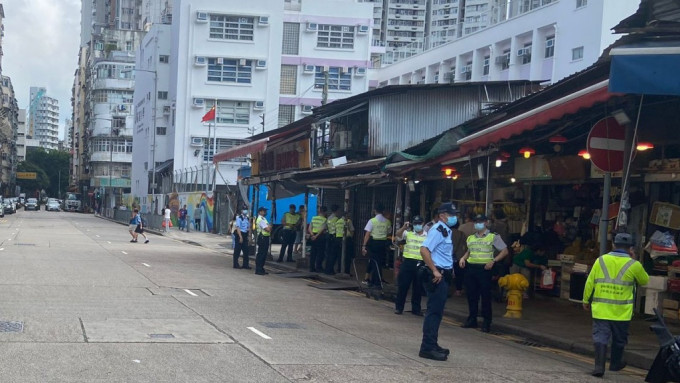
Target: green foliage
point(47, 165)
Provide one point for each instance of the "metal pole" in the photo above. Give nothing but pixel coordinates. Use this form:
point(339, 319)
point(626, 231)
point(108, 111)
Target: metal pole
point(111, 165)
point(343, 255)
point(488, 187)
point(324, 94)
point(304, 225)
point(153, 152)
point(604, 215)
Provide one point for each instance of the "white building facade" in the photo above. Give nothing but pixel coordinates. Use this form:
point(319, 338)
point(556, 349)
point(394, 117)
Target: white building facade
point(43, 118)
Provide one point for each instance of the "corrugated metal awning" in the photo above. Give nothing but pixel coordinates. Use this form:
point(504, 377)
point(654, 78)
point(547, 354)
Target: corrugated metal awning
point(242, 150)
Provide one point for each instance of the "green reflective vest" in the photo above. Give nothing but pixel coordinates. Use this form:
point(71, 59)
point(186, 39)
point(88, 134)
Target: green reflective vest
point(331, 224)
point(340, 228)
point(259, 230)
point(481, 248)
point(290, 220)
point(413, 245)
point(317, 223)
point(380, 229)
point(611, 284)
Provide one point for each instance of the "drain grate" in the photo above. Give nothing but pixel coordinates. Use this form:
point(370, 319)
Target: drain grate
point(529, 343)
point(11, 326)
point(282, 325)
point(161, 336)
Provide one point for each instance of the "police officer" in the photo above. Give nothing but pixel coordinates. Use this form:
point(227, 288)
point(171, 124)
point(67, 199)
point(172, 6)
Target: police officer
point(408, 271)
point(290, 223)
point(242, 223)
point(609, 291)
point(331, 242)
point(480, 260)
point(437, 253)
point(317, 235)
point(375, 244)
point(264, 232)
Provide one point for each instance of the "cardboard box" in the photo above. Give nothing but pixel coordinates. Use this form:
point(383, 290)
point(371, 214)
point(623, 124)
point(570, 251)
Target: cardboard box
point(653, 300)
point(671, 304)
point(657, 283)
point(669, 313)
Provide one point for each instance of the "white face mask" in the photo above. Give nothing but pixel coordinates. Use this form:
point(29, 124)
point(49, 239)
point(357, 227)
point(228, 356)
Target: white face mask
point(480, 226)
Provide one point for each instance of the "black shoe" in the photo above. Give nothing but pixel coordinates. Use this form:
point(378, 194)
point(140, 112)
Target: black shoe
point(279, 260)
point(417, 313)
point(434, 355)
point(312, 270)
point(261, 273)
point(398, 312)
point(237, 266)
point(442, 350)
point(486, 326)
point(246, 267)
point(289, 260)
point(600, 360)
point(617, 363)
point(469, 324)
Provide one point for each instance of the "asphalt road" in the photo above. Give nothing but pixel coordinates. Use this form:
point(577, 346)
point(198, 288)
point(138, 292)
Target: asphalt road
point(95, 307)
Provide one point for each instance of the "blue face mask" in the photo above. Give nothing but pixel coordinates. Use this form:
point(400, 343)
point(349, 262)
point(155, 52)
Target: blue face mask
point(418, 227)
point(452, 221)
point(480, 226)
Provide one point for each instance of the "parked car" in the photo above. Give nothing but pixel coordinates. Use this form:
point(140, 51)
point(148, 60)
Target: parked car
point(31, 204)
point(8, 206)
point(52, 205)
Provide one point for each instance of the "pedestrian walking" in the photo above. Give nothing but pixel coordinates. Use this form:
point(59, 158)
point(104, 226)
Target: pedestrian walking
point(408, 271)
point(198, 213)
point(331, 242)
point(290, 224)
point(375, 244)
point(133, 225)
point(141, 224)
point(437, 253)
point(609, 295)
point(264, 230)
point(478, 263)
point(166, 218)
point(183, 218)
point(242, 227)
point(317, 235)
point(300, 229)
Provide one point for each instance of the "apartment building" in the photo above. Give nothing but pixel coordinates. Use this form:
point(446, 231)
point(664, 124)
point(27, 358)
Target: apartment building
point(43, 123)
point(9, 123)
point(21, 135)
point(405, 22)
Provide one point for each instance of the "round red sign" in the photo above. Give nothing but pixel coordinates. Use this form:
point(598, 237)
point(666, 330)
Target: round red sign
point(606, 143)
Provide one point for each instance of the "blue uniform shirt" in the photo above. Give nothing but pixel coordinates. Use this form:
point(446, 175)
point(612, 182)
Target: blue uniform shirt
point(242, 223)
point(440, 247)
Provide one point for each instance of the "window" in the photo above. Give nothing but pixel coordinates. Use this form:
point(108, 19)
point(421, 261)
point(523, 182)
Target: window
point(526, 57)
point(335, 36)
point(117, 123)
point(506, 59)
point(577, 54)
point(227, 27)
point(485, 68)
point(291, 39)
point(222, 144)
point(128, 46)
point(161, 130)
point(230, 70)
point(289, 79)
point(337, 78)
point(99, 46)
point(581, 3)
point(231, 112)
point(164, 59)
point(162, 95)
point(286, 114)
point(549, 46)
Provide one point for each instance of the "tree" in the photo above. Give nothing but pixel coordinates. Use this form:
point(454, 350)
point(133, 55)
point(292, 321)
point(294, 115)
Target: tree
point(42, 181)
point(51, 164)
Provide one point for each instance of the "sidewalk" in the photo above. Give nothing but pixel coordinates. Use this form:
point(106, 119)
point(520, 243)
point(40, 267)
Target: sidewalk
point(549, 321)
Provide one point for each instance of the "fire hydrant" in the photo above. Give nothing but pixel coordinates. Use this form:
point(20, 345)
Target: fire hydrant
point(516, 284)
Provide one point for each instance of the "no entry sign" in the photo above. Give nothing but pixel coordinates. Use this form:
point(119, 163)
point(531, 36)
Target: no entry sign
point(605, 145)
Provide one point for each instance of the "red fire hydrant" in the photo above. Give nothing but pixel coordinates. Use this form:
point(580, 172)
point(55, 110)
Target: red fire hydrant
point(516, 284)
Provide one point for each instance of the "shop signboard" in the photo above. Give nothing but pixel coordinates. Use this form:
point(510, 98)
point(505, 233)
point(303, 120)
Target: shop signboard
point(287, 157)
point(605, 145)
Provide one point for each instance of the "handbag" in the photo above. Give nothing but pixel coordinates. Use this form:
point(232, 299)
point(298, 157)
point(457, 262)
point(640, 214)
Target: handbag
point(548, 279)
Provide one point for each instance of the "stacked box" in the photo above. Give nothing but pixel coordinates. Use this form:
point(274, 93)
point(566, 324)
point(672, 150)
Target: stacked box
point(670, 308)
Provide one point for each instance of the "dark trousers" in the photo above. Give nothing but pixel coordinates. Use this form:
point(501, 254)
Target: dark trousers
point(317, 255)
point(408, 277)
point(262, 248)
point(478, 283)
point(376, 250)
point(433, 318)
point(332, 253)
point(459, 275)
point(288, 241)
point(603, 330)
point(349, 254)
point(242, 247)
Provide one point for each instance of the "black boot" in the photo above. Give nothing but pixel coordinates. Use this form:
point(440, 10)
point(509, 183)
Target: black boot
point(617, 363)
point(600, 360)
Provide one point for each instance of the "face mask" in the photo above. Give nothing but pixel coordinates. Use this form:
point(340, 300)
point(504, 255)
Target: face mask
point(452, 221)
point(480, 226)
point(245, 212)
point(418, 227)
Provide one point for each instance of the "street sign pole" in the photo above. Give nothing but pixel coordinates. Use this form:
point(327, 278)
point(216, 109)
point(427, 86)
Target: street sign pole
point(604, 215)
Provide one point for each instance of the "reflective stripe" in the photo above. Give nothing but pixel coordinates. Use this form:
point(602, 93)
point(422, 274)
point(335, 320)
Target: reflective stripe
point(619, 278)
point(613, 282)
point(481, 249)
point(259, 230)
point(317, 223)
point(339, 228)
point(379, 231)
point(330, 224)
point(291, 219)
point(614, 301)
point(413, 244)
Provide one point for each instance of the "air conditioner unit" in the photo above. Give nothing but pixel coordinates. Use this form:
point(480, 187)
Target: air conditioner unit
point(312, 27)
point(201, 17)
point(362, 29)
point(309, 69)
point(342, 140)
point(200, 61)
point(523, 52)
point(219, 60)
point(344, 70)
point(122, 108)
point(306, 109)
point(198, 103)
point(549, 43)
point(261, 64)
point(242, 62)
point(197, 142)
point(263, 21)
point(258, 105)
point(359, 72)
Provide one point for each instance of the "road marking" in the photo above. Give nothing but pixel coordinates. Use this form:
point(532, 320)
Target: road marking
point(190, 293)
point(124, 252)
point(145, 265)
point(258, 332)
point(97, 235)
point(109, 242)
point(2, 248)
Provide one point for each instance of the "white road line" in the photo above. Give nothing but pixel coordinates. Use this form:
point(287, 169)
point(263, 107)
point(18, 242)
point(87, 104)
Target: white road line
point(97, 235)
point(258, 332)
point(124, 252)
point(190, 293)
point(109, 242)
point(145, 265)
point(2, 248)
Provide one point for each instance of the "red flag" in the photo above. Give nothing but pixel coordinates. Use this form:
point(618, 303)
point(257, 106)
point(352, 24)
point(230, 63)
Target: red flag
point(210, 115)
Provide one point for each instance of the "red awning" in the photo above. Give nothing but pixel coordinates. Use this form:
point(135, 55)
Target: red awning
point(553, 110)
point(242, 150)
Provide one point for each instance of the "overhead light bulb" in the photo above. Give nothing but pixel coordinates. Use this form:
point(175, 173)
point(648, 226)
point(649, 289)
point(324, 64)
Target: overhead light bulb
point(642, 146)
point(499, 163)
point(513, 180)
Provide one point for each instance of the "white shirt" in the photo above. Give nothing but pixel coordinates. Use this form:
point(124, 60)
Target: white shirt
point(167, 213)
point(369, 225)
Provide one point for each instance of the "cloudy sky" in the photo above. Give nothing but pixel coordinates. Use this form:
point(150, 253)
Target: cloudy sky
point(41, 48)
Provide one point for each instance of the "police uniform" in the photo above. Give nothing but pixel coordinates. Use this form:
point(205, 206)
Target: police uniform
point(262, 244)
point(610, 290)
point(408, 273)
point(331, 244)
point(318, 225)
point(378, 227)
point(290, 221)
point(242, 224)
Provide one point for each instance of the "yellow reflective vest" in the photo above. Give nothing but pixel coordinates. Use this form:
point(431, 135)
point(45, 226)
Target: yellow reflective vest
point(330, 224)
point(290, 220)
point(259, 230)
point(317, 223)
point(380, 229)
point(413, 244)
point(481, 248)
point(339, 228)
point(611, 284)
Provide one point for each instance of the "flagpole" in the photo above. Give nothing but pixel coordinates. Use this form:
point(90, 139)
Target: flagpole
point(214, 143)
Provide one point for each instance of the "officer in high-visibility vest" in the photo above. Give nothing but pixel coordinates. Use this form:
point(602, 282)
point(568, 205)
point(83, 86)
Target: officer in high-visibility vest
point(479, 260)
point(290, 222)
point(331, 242)
point(264, 232)
point(317, 235)
point(609, 294)
point(408, 271)
point(375, 244)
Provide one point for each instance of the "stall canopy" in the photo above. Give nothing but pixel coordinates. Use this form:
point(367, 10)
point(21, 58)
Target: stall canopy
point(646, 68)
point(242, 150)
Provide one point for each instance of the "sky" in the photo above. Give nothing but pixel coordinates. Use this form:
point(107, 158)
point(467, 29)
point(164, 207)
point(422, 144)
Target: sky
point(40, 48)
